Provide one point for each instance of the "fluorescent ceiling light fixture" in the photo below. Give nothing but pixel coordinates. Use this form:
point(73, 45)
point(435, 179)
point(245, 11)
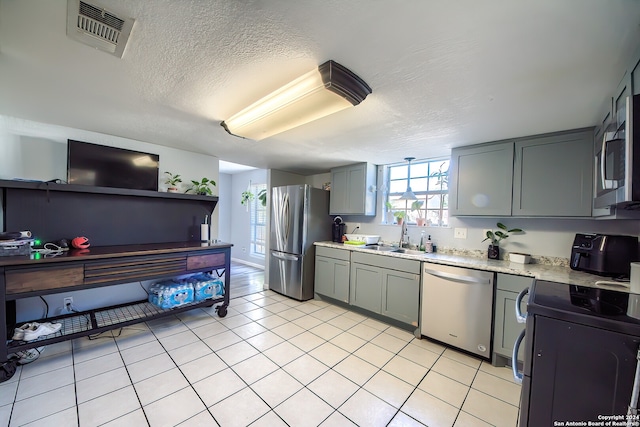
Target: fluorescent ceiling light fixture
point(408, 195)
point(316, 94)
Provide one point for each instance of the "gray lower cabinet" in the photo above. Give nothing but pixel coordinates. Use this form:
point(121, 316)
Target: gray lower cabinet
point(506, 328)
point(386, 285)
point(332, 273)
point(480, 180)
point(553, 175)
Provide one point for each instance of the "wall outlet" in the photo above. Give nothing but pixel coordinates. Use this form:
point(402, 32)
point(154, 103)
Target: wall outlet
point(358, 226)
point(244, 249)
point(67, 305)
point(459, 233)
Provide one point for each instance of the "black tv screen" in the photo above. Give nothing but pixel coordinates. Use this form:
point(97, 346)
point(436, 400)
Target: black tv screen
point(103, 166)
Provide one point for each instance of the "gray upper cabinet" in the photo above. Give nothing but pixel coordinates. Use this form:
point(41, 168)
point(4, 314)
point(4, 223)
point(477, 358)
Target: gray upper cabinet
point(480, 180)
point(553, 176)
point(350, 190)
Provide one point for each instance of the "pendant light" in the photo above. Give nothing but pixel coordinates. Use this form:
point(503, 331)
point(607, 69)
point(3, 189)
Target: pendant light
point(408, 195)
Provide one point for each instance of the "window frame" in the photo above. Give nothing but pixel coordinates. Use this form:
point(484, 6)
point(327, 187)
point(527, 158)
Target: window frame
point(258, 228)
point(436, 168)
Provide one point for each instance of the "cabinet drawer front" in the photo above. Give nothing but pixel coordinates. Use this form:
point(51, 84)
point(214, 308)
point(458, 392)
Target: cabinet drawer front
point(196, 262)
point(133, 269)
point(22, 281)
point(388, 262)
point(509, 282)
point(342, 254)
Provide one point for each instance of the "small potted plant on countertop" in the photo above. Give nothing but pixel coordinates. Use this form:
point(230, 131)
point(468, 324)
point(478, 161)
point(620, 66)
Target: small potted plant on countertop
point(417, 206)
point(172, 181)
point(495, 237)
point(202, 187)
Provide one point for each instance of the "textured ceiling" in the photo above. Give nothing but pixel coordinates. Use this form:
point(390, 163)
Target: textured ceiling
point(443, 74)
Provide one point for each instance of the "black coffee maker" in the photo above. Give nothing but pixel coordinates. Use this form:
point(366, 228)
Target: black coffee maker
point(337, 229)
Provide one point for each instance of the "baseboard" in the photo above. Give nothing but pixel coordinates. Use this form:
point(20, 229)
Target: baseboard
point(250, 264)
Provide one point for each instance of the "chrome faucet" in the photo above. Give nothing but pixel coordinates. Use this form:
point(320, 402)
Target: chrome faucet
point(403, 234)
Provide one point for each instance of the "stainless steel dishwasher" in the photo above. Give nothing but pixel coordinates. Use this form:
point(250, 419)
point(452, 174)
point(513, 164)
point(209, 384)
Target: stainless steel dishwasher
point(457, 307)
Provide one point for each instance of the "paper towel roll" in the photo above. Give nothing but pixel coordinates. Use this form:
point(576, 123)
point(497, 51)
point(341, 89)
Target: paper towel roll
point(204, 232)
point(633, 309)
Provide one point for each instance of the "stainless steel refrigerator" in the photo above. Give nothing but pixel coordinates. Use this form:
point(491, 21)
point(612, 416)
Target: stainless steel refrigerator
point(299, 217)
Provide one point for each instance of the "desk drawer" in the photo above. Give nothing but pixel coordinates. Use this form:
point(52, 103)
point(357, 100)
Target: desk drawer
point(196, 262)
point(133, 269)
point(22, 281)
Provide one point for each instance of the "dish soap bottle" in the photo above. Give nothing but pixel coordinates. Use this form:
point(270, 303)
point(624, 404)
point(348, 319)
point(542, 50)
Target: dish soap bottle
point(421, 247)
point(428, 245)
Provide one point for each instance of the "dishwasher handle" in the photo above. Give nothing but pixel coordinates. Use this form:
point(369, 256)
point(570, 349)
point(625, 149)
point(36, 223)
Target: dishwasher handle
point(459, 277)
point(521, 318)
point(517, 376)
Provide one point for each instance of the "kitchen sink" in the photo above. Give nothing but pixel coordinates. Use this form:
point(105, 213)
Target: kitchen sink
point(408, 251)
point(380, 248)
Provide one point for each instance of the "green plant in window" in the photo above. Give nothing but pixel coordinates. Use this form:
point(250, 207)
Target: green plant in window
point(262, 197)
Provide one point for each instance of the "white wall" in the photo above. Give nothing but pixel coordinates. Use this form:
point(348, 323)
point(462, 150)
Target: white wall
point(224, 208)
point(37, 151)
point(240, 216)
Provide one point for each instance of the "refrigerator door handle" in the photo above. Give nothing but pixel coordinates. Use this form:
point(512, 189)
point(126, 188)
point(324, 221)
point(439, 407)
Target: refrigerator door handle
point(517, 376)
point(633, 404)
point(286, 257)
point(282, 211)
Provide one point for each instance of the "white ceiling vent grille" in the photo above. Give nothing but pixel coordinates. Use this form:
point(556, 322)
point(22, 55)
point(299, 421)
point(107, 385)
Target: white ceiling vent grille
point(92, 24)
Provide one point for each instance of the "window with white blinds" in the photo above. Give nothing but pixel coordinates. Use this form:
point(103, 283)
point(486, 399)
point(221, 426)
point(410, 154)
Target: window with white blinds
point(258, 221)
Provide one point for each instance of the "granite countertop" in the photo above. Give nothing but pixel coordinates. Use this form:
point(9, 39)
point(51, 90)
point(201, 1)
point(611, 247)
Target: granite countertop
point(553, 273)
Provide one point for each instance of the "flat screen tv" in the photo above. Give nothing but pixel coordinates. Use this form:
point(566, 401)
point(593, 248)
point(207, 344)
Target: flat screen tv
point(103, 166)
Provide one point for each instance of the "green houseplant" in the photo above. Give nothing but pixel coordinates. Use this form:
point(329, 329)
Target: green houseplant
point(389, 212)
point(262, 196)
point(400, 215)
point(202, 187)
point(246, 197)
point(495, 237)
point(172, 181)
point(417, 206)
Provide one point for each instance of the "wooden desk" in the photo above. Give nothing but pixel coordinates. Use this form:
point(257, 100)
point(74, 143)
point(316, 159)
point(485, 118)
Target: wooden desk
point(30, 276)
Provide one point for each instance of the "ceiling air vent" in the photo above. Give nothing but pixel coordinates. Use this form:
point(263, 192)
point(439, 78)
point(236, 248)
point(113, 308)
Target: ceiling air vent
point(93, 25)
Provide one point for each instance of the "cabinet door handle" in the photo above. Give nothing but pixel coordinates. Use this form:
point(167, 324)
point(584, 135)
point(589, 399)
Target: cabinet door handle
point(521, 318)
point(285, 257)
point(517, 376)
point(459, 278)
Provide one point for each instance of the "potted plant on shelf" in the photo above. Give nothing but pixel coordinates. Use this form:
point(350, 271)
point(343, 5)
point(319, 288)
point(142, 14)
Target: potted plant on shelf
point(203, 187)
point(495, 237)
point(399, 216)
point(417, 206)
point(172, 181)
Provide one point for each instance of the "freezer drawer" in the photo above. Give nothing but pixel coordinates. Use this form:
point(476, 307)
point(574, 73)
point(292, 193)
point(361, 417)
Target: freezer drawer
point(457, 306)
point(286, 273)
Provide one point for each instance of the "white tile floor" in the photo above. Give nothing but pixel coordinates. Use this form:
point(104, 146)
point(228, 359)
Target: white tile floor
point(271, 362)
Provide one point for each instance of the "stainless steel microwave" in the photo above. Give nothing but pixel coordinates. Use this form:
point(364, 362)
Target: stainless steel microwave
point(617, 157)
